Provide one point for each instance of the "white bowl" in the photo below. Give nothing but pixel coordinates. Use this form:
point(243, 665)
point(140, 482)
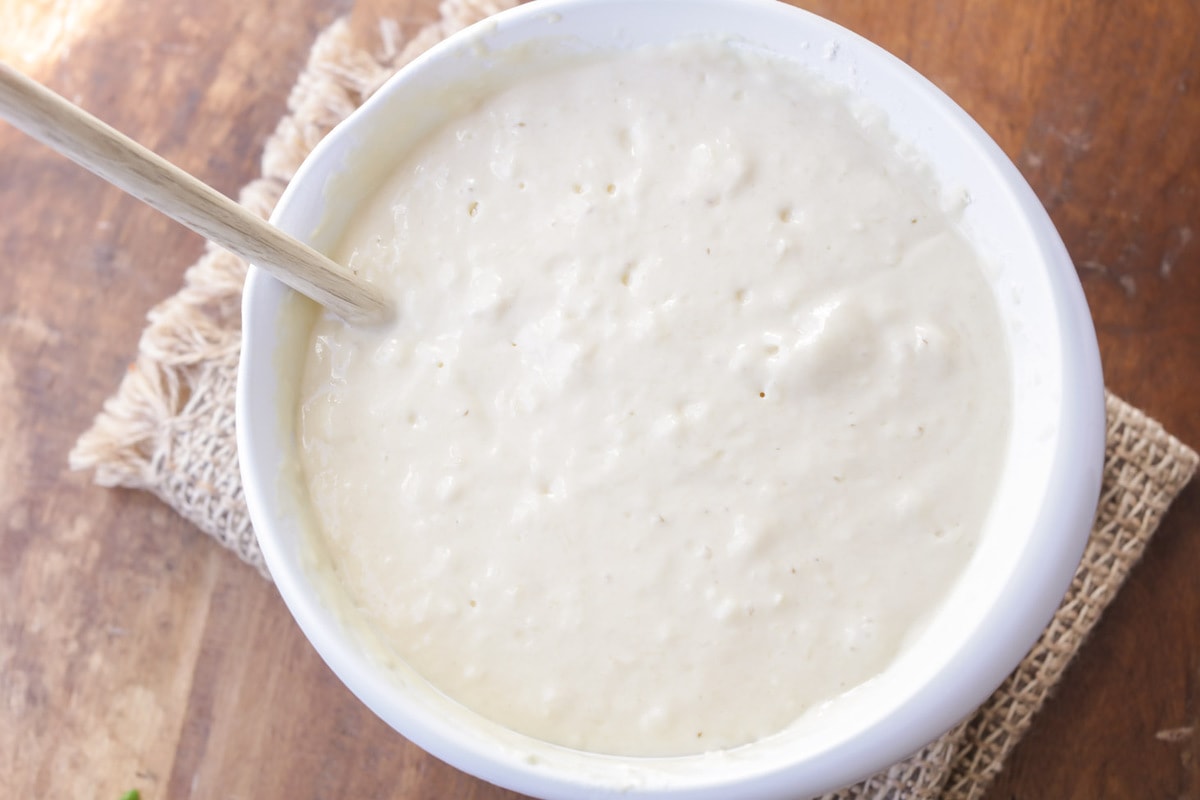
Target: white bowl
point(1031, 543)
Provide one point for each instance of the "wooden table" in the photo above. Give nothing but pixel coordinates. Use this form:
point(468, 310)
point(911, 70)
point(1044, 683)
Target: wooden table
point(136, 654)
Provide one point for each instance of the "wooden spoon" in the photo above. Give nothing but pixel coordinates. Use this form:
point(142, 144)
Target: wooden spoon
point(124, 163)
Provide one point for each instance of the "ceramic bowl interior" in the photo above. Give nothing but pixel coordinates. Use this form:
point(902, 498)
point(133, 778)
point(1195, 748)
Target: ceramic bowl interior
point(1047, 493)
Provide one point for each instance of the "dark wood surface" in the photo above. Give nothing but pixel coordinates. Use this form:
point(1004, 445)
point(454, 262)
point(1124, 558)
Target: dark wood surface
point(136, 654)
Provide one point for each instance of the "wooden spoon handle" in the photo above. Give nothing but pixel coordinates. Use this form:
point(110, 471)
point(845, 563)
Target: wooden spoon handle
point(116, 158)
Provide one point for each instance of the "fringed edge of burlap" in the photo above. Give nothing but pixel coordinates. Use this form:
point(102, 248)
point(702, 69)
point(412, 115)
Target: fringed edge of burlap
point(196, 333)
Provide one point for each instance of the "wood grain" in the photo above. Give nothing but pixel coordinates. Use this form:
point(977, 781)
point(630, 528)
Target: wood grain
point(133, 653)
point(113, 156)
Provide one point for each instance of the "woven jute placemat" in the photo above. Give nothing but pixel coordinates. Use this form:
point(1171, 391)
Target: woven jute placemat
point(169, 429)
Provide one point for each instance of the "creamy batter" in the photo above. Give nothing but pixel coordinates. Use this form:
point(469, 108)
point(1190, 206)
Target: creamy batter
point(692, 413)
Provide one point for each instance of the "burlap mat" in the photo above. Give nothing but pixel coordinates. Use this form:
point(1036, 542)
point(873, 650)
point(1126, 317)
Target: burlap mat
point(169, 429)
